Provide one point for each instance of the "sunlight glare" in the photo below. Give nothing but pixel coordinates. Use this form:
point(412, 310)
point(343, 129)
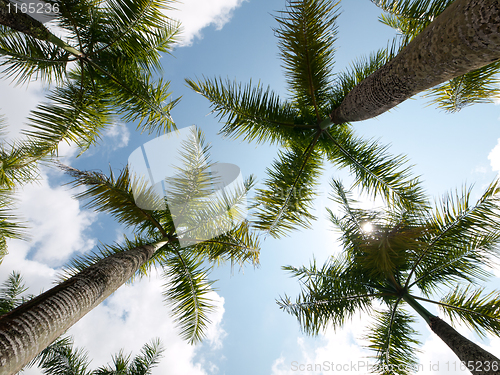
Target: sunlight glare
point(367, 227)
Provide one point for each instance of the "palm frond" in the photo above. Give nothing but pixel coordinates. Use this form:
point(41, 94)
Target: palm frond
point(10, 292)
point(19, 162)
point(330, 295)
point(148, 359)
point(137, 96)
point(250, 111)
point(187, 291)
point(28, 59)
point(462, 238)
point(479, 310)
point(10, 225)
point(412, 15)
point(113, 195)
point(478, 86)
point(75, 113)
point(306, 36)
point(62, 359)
point(285, 203)
point(393, 339)
point(374, 169)
point(239, 245)
point(138, 29)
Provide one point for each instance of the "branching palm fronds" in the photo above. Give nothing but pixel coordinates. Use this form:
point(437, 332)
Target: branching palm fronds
point(301, 124)
point(11, 291)
point(62, 358)
point(400, 256)
point(409, 18)
point(105, 69)
point(141, 364)
point(287, 201)
point(393, 339)
point(306, 35)
point(189, 224)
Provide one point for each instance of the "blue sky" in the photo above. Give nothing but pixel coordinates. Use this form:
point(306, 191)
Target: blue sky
point(250, 335)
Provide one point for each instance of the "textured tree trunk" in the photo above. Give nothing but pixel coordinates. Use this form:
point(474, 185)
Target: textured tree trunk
point(464, 37)
point(475, 358)
point(27, 330)
point(22, 22)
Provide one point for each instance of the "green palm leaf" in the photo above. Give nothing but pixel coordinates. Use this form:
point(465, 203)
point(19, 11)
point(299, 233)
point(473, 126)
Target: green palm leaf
point(393, 338)
point(286, 202)
point(141, 364)
point(62, 359)
point(375, 170)
point(187, 291)
point(10, 293)
point(29, 59)
point(113, 195)
point(462, 239)
point(478, 86)
point(330, 295)
point(479, 310)
point(306, 35)
point(251, 112)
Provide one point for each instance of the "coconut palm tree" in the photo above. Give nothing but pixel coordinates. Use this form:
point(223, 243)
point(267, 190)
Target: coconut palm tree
point(448, 40)
point(105, 68)
point(301, 124)
point(27, 330)
point(400, 259)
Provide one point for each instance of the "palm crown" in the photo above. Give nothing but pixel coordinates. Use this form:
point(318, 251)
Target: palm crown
point(406, 257)
point(185, 268)
point(301, 124)
point(106, 68)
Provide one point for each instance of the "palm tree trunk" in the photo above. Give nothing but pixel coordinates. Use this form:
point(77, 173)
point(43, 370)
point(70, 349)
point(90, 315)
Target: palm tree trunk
point(27, 330)
point(475, 358)
point(464, 37)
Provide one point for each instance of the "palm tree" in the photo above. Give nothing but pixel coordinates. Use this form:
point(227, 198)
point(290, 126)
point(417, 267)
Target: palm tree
point(60, 357)
point(106, 68)
point(448, 40)
point(27, 330)
point(301, 125)
point(398, 258)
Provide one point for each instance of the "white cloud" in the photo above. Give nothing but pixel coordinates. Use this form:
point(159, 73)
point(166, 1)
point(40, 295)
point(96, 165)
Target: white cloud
point(16, 103)
point(57, 224)
point(198, 14)
point(494, 157)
